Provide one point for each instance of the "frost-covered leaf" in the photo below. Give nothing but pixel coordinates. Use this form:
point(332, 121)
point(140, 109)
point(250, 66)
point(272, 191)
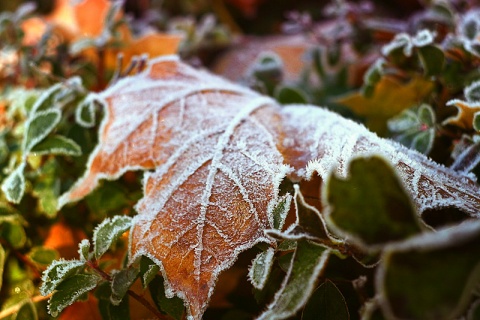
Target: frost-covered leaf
point(148, 271)
point(472, 92)
point(389, 99)
point(57, 144)
point(280, 211)
point(260, 268)
point(39, 126)
point(14, 185)
point(431, 276)
point(58, 271)
point(371, 205)
point(107, 232)
point(71, 290)
point(217, 153)
point(465, 115)
point(326, 303)
point(85, 112)
point(307, 264)
point(47, 99)
point(172, 306)
point(121, 282)
point(84, 250)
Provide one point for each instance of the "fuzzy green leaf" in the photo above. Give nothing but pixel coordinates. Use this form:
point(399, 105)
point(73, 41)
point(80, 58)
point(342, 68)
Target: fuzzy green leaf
point(122, 281)
point(14, 185)
point(47, 99)
point(57, 144)
point(58, 271)
point(172, 306)
point(39, 126)
point(42, 256)
point(85, 112)
point(71, 290)
point(431, 276)
point(148, 271)
point(289, 94)
point(84, 249)
point(280, 211)
point(308, 262)
point(472, 92)
point(260, 269)
point(326, 303)
point(27, 312)
point(371, 207)
point(106, 233)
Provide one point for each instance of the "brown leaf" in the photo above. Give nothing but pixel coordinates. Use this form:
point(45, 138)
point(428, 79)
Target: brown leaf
point(465, 114)
point(217, 154)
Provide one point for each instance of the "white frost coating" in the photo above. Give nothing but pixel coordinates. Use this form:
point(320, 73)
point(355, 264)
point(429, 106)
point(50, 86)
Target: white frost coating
point(260, 268)
point(431, 185)
point(28, 145)
point(62, 269)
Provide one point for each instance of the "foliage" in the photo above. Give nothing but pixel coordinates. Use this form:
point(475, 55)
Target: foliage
point(217, 200)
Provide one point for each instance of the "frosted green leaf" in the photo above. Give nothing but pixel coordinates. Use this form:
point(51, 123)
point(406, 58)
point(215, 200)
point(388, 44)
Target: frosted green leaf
point(476, 121)
point(71, 290)
point(14, 185)
point(42, 256)
point(472, 92)
point(39, 126)
point(106, 233)
point(431, 276)
point(58, 271)
point(85, 112)
point(308, 261)
point(260, 268)
point(57, 144)
point(122, 281)
point(280, 211)
point(47, 99)
point(27, 312)
point(84, 249)
point(148, 271)
point(326, 303)
point(370, 207)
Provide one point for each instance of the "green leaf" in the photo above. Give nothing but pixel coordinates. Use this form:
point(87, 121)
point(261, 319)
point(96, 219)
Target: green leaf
point(14, 185)
point(71, 290)
point(371, 206)
point(42, 256)
point(84, 250)
point(472, 92)
point(14, 232)
point(121, 282)
point(280, 211)
point(431, 276)
point(290, 95)
point(307, 264)
point(46, 187)
point(27, 312)
point(172, 306)
point(148, 270)
point(85, 112)
point(57, 272)
point(476, 121)
point(432, 59)
point(39, 126)
point(47, 99)
point(106, 233)
point(326, 303)
point(260, 269)
point(107, 310)
point(57, 144)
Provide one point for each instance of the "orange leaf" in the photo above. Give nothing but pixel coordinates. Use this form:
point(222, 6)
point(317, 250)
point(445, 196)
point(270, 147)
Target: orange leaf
point(465, 114)
point(218, 154)
point(64, 239)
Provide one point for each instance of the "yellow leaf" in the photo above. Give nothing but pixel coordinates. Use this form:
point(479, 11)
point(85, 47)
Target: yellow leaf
point(390, 98)
point(465, 115)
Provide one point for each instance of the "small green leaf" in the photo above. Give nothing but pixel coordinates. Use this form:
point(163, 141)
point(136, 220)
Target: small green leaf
point(42, 256)
point(122, 281)
point(85, 112)
point(472, 92)
point(106, 233)
point(260, 269)
point(39, 126)
point(14, 185)
point(46, 187)
point(14, 232)
point(27, 312)
point(84, 250)
point(280, 211)
point(172, 306)
point(326, 303)
point(431, 276)
point(307, 264)
point(432, 59)
point(148, 271)
point(371, 207)
point(71, 290)
point(476, 121)
point(47, 99)
point(57, 145)
point(58, 271)
point(290, 95)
